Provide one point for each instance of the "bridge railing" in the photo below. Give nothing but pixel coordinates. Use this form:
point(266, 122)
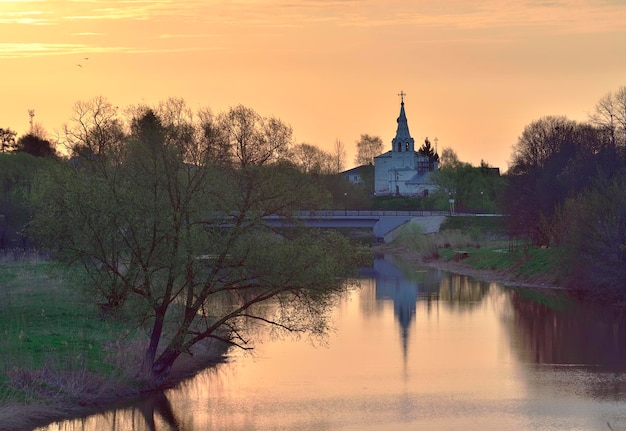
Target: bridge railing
point(368, 213)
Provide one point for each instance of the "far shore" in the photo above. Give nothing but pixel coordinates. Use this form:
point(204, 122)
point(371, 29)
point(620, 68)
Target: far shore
point(503, 277)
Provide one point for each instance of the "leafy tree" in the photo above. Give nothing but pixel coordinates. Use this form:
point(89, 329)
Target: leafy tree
point(181, 240)
point(449, 158)
point(35, 146)
point(427, 150)
point(18, 171)
point(7, 140)
point(540, 154)
point(472, 188)
point(594, 227)
point(368, 147)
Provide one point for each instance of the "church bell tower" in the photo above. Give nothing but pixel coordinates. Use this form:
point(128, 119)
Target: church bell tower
point(403, 142)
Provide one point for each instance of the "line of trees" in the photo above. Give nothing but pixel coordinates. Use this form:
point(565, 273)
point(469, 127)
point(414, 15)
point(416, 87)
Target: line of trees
point(566, 187)
point(474, 189)
point(164, 207)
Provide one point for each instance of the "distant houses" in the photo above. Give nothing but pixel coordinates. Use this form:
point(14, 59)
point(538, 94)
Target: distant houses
point(358, 175)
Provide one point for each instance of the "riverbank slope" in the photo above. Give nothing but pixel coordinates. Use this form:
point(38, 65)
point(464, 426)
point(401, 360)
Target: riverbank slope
point(479, 247)
point(61, 357)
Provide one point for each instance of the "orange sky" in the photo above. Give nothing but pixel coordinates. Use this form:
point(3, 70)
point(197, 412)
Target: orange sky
point(475, 72)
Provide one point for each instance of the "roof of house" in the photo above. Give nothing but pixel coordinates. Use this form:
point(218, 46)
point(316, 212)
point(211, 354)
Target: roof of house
point(358, 170)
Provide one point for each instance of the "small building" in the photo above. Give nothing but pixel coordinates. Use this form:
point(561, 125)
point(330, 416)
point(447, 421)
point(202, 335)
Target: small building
point(403, 171)
point(359, 175)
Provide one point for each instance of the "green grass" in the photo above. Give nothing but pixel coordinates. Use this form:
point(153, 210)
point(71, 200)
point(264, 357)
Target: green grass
point(487, 245)
point(534, 263)
point(487, 227)
point(52, 332)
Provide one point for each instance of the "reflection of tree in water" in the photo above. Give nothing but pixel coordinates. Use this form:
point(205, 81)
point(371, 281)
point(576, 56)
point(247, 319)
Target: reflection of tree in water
point(571, 334)
point(159, 404)
point(153, 412)
point(460, 291)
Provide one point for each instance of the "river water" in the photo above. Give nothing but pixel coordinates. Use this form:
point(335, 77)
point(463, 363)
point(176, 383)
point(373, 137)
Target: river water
point(413, 349)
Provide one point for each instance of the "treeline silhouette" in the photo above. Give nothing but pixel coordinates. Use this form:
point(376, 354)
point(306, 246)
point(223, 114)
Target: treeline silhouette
point(567, 187)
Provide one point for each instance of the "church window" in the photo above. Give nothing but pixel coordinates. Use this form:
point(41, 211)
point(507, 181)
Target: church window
point(399, 146)
point(407, 146)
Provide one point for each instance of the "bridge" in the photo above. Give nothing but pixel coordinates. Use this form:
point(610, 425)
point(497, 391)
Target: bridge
point(383, 223)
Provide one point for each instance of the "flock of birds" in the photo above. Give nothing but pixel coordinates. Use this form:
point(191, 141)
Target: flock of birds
point(80, 65)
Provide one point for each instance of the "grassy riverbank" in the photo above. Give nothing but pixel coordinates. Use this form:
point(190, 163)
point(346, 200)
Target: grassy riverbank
point(58, 352)
point(61, 356)
point(480, 246)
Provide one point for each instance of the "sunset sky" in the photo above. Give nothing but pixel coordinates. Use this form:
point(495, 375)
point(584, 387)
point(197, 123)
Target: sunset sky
point(475, 72)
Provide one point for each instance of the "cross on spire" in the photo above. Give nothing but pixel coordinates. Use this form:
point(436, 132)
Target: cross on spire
point(402, 94)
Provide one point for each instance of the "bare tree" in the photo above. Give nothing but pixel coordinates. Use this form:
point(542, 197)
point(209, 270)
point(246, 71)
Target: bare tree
point(540, 140)
point(312, 160)
point(620, 101)
point(95, 127)
point(255, 140)
point(605, 116)
point(339, 157)
point(610, 115)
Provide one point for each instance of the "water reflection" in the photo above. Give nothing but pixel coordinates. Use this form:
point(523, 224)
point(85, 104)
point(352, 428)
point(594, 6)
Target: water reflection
point(568, 333)
point(414, 348)
point(405, 285)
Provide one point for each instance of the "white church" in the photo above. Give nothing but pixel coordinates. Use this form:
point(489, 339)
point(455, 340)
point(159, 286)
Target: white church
point(403, 171)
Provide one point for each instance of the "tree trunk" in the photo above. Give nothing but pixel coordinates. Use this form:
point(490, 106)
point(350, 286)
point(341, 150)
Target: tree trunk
point(163, 365)
point(150, 355)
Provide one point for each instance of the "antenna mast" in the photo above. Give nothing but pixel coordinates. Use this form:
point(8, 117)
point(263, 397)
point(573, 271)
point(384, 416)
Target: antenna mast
point(31, 113)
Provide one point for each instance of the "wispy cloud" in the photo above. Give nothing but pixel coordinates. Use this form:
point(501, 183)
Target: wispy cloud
point(17, 50)
point(188, 22)
point(25, 17)
point(88, 33)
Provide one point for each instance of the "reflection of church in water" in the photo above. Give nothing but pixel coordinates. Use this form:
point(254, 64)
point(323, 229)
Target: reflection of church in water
point(392, 284)
point(433, 288)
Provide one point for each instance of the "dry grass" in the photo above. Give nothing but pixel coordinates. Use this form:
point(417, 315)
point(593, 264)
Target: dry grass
point(427, 246)
point(23, 255)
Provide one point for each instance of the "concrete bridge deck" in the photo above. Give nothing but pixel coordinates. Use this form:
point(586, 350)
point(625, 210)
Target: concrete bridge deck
point(383, 223)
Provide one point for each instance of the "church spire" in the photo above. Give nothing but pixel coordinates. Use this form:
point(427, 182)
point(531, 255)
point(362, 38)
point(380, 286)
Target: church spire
point(403, 142)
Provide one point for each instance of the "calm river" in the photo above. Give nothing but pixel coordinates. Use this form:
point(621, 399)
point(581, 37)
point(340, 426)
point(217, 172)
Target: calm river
point(413, 349)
